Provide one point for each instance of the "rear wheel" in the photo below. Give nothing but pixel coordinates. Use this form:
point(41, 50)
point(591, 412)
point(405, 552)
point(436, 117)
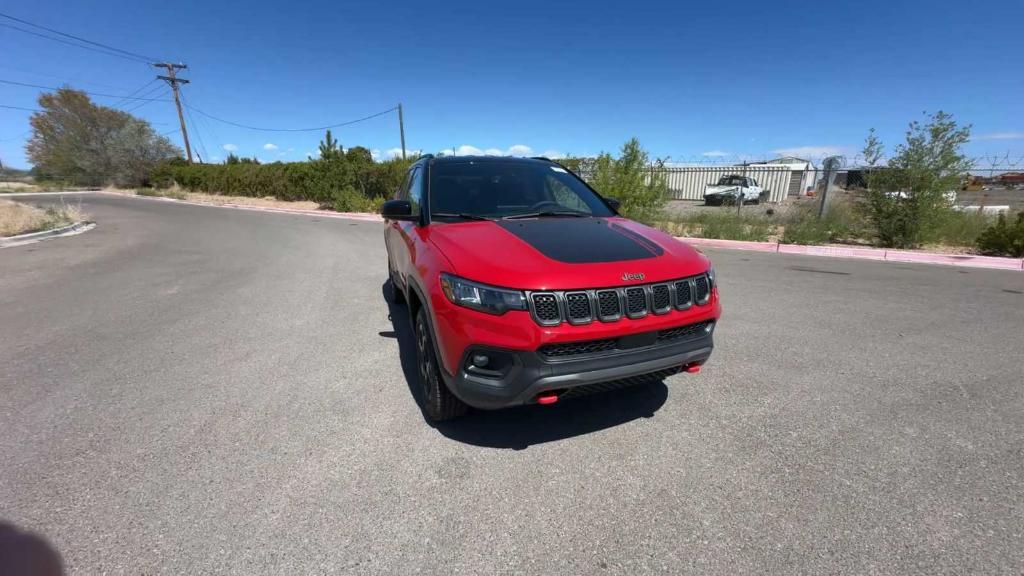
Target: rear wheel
point(438, 401)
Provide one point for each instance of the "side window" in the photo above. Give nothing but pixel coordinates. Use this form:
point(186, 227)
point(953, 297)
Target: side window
point(415, 194)
point(402, 193)
point(564, 196)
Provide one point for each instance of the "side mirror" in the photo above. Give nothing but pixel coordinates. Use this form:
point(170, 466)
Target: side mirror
point(397, 210)
point(613, 203)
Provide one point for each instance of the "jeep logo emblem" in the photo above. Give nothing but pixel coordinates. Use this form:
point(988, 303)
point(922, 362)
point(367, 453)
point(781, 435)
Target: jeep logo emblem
point(629, 276)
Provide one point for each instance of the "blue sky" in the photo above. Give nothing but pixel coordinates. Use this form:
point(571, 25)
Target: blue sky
point(714, 80)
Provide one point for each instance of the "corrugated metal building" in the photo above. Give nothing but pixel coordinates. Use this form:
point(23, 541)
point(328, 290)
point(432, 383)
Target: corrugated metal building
point(781, 177)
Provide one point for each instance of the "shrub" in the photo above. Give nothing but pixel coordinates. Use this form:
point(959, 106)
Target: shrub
point(349, 199)
point(723, 225)
point(1004, 239)
point(638, 185)
point(328, 182)
point(957, 228)
point(906, 198)
point(844, 221)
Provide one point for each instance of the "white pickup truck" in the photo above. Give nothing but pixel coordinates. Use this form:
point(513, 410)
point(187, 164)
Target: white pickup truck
point(731, 187)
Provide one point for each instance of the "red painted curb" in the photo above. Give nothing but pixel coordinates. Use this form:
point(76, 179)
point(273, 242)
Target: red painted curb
point(731, 244)
point(880, 254)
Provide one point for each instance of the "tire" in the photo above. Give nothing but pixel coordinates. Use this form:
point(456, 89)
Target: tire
point(438, 401)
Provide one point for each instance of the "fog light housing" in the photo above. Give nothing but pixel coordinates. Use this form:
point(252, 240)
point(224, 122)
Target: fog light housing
point(481, 360)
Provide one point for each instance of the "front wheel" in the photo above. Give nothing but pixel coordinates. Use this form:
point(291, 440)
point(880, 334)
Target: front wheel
point(438, 401)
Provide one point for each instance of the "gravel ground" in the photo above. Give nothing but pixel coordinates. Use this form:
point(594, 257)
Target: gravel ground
point(189, 389)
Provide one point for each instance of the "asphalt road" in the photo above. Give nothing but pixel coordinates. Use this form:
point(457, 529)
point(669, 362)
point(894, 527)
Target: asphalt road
point(188, 389)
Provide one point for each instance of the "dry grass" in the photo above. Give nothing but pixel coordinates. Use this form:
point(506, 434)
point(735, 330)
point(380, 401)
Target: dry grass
point(17, 218)
point(18, 187)
point(217, 199)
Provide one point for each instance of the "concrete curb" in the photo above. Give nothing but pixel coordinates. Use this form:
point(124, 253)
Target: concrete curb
point(32, 237)
point(322, 213)
point(880, 254)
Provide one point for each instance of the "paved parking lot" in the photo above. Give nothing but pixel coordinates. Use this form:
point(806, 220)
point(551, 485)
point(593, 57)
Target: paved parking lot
point(188, 389)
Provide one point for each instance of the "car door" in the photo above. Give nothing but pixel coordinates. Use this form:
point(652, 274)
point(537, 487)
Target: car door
point(405, 234)
point(394, 234)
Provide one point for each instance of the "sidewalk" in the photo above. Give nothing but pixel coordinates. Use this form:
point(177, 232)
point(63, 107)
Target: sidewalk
point(882, 254)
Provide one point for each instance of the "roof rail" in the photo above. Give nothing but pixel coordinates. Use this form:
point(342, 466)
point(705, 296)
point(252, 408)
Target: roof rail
point(541, 158)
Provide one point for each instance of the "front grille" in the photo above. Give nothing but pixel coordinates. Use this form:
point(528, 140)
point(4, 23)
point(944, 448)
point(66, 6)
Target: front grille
point(577, 348)
point(545, 306)
point(661, 298)
point(684, 296)
point(636, 302)
point(584, 347)
point(577, 307)
point(701, 289)
point(611, 304)
point(687, 332)
point(588, 389)
point(608, 305)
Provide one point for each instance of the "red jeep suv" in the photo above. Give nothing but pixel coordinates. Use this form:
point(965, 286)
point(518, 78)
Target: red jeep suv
point(525, 286)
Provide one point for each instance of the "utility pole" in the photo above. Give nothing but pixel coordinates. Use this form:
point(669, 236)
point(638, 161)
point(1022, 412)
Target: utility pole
point(831, 165)
point(173, 80)
point(401, 129)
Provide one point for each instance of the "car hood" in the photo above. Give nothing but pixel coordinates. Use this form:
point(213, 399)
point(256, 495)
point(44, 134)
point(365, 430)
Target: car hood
point(715, 189)
point(563, 253)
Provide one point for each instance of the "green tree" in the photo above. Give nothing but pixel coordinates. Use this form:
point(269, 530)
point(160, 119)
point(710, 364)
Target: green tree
point(78, 141)
point(330, 149)
point(638, 183)
point(907, 197)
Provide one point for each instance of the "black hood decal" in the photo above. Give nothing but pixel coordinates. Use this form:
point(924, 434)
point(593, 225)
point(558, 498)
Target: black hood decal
point(582, 240)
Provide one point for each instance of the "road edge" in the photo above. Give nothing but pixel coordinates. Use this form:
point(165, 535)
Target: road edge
point(879, 254)
point(33, 237)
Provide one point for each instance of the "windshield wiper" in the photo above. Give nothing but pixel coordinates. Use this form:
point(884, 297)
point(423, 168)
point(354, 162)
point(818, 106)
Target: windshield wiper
point(462, 215)
point(547, 214)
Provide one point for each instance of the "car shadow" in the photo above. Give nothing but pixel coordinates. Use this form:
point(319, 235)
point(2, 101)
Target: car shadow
point(22, 552)
point(520, 427)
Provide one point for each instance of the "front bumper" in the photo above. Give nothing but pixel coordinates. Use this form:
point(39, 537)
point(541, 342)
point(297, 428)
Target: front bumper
point(530, 373)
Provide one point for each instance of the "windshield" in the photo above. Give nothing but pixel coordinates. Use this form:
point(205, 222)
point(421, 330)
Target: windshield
point(499, 189)
point(730, 181)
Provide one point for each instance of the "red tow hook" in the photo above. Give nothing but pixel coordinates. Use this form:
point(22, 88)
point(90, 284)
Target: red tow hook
point(547, 399)
point(691, 368)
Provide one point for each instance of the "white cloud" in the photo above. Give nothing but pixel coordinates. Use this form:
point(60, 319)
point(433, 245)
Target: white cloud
point(375, 154)
point(215, 158)
point(270, 146)
point(520, 150)
point(811, 152)
point(714, 154)
point(397, 153)
point(230, 147)
point(1000, 136)
point(467, 150)
point(514, 150)
point(553, 154)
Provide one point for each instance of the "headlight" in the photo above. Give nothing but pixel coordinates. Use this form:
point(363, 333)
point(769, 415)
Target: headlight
point(480, 296)
point(711, 276)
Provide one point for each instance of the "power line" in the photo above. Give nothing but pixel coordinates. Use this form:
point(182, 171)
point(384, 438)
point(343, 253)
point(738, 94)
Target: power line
point(69, 43)
point(51, 88)
point(115, 51)
point(20, 108)
point(134, 93)
point(148, 102)
point(317, 129)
